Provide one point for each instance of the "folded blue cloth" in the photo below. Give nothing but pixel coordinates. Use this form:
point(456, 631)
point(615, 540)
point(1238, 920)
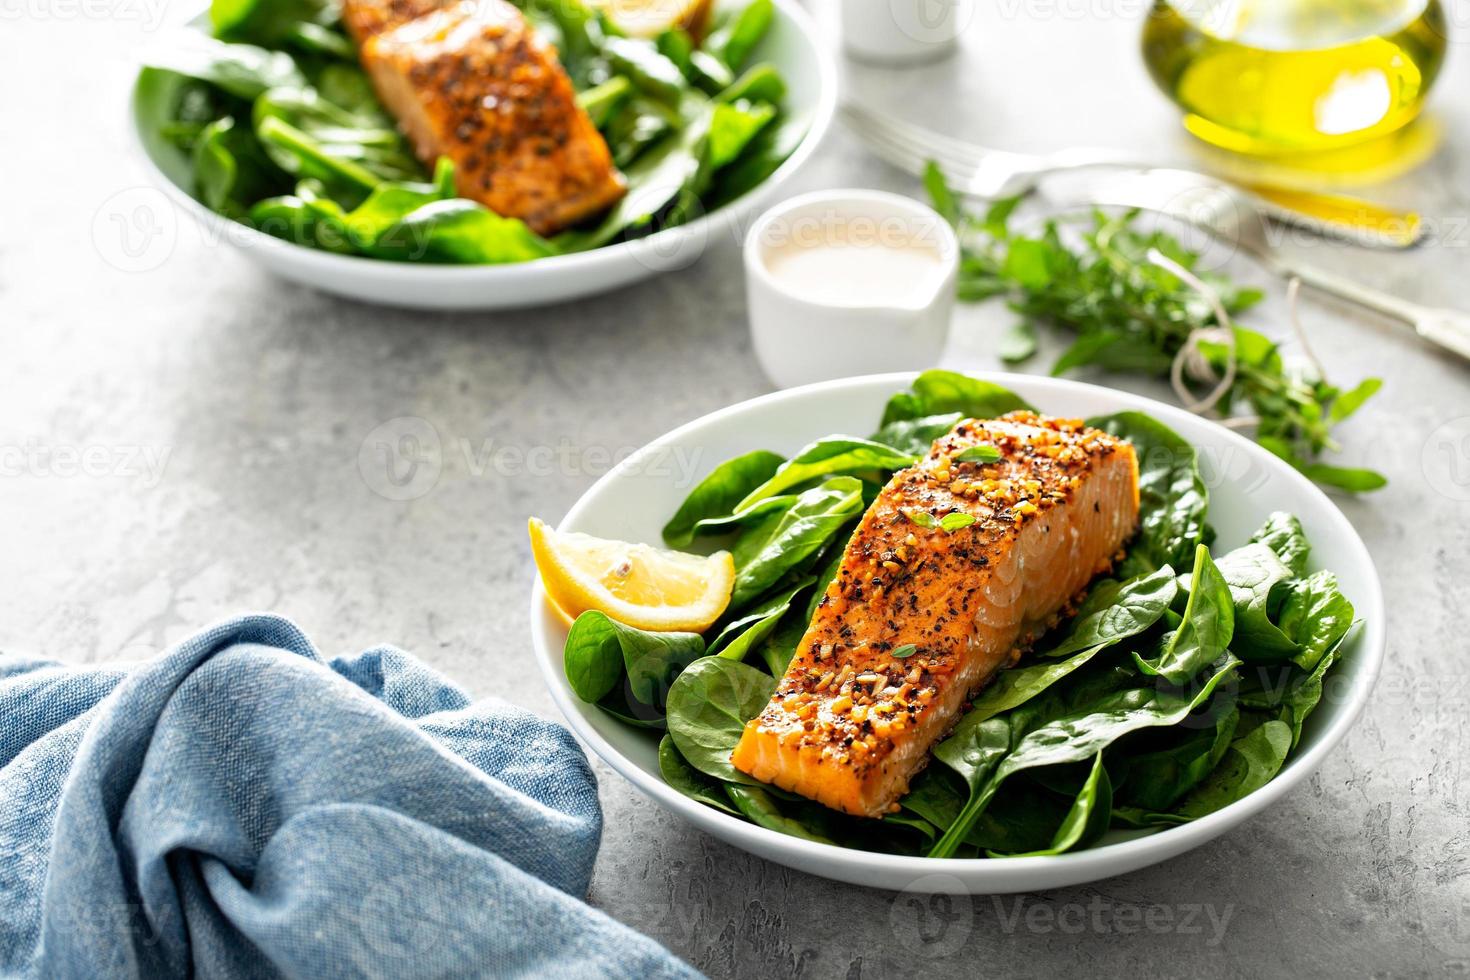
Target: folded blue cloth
point(241, 807)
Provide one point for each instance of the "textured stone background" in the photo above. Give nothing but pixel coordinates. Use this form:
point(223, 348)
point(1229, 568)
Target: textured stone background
point(224, 412)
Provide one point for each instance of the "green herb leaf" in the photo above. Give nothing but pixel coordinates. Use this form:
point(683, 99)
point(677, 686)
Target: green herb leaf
point(978, 454)
point(1130, 314)
point(902, 652)
point(1018, 343)
point(940, 195)
point(955, 521)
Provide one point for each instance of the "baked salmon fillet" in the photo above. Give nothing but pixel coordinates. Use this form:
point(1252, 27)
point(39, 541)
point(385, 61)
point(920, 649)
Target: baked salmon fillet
point(921, 614)
point(472, 82)
point(369, 18)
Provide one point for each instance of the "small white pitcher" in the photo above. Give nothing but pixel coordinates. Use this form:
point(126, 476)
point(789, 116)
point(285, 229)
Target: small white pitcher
point(800, 338)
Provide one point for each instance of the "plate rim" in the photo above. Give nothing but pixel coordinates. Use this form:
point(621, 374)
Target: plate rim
point(242, 236)
point(1073, 867)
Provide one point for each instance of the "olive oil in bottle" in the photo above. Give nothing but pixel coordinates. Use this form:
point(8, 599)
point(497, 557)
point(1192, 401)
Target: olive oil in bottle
point(1291, 77)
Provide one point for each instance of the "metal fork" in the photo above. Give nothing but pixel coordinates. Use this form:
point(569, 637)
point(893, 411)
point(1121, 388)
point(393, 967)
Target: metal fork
point(977, 171)
point(1235, 217)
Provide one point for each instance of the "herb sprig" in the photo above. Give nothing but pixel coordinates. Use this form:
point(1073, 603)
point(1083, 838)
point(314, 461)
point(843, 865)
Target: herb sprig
point(1113, 287)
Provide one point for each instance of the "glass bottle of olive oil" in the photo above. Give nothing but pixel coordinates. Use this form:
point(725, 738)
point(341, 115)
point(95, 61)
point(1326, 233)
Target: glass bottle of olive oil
point(1289, 77)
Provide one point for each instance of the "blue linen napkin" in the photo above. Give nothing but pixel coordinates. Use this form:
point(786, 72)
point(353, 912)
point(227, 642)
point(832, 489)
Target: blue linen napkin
point(240, 806)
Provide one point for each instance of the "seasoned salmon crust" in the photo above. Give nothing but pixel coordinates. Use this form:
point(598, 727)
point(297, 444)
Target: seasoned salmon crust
point(471, 81)
point(957, 566)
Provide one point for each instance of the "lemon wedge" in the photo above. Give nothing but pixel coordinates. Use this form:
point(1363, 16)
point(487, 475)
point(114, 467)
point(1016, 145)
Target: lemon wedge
point(649, 18)
point(635, 584)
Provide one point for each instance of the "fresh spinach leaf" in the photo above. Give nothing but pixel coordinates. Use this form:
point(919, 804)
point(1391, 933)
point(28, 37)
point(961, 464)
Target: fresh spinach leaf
point(1114, 611)
point(1283, 534)
point(762, 157)
point(1303, 696)
point(242, 70)
point(779, 647)
point(835, 455)
point(460, 231)
point(678, 773)
point(760, 808)
point(708, 706)
point(742, 635)
point(601, 101)
point(973, 751)
point(1250, 763)
point(1014, 687)
point(652, 72)
point(599, 650)
point(1316, 615)
point(732, 126)
point(620, 703)
point(939, 392)
point(269, 22)
point(718, 494)
point(1172, 494)
point(1156, 780)
point(1206, 630)
point(1256, 577)
point(1086, 820)
point(990, 760)
point(231, 170)
point(759, 83)
point(787, 539)
point(734, 41)
point(915, 436)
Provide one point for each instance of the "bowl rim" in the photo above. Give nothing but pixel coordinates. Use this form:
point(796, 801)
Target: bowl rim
point(665, 241)
point(1091, 864)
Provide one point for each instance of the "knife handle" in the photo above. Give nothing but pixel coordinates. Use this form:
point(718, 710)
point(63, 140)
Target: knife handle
point(1449, 329)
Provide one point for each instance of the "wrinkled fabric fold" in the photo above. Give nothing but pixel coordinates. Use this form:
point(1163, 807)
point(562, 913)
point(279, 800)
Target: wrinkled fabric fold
point(240, 806)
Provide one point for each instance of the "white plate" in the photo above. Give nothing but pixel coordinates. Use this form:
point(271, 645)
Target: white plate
point(790, 44)
point(1246, 483)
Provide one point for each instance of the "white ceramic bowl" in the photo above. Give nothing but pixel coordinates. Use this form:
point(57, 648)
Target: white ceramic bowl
point(791, 45)
point(1246, 483)
point(800, 339)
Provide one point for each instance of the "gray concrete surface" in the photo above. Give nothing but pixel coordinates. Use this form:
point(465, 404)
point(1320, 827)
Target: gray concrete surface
point(182, 440)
